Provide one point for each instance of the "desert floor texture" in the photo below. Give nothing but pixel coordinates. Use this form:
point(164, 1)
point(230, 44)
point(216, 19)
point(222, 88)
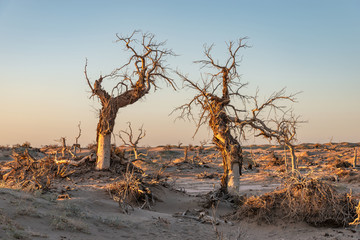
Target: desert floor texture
point(82, 206)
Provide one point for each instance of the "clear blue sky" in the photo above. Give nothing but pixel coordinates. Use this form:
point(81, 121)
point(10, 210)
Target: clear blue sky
point(310, 46)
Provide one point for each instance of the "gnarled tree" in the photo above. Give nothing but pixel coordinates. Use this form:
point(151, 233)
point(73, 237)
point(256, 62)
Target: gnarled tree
point(145, 67)
point(214, 96)
point(218, 96)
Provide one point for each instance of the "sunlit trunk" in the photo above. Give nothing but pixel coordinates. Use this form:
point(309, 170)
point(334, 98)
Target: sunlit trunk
point(232, 162)
point(234, 179)
point(136, 156)
point(103, 152)
point(293, 158)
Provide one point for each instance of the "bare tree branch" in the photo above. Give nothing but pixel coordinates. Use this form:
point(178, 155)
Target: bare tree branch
point(132, 141)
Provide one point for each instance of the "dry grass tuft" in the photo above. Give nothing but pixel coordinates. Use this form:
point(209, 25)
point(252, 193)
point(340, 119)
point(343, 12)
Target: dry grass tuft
point(301, 199)
point(131, 190)
point(32, 174)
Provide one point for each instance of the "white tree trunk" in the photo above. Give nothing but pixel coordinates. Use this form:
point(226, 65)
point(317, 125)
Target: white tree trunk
point(234, 179)
point(293, 159)
point(103, 152)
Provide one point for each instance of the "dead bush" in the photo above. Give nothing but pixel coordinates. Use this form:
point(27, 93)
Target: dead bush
point(119, 152)
point(131, 190)
point(31, 173)
point(301, 199)
point(342, 164)
point(344, 173)
point(275, 160)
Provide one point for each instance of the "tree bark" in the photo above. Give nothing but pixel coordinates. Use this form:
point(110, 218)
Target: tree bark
point(104, 129)
point(229, 147)
point(232, 163)
point(293, 157)
point(103, 151)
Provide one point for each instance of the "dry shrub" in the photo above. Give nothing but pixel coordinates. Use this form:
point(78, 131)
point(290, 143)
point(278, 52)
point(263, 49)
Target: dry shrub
point(33, 174)
point(343, 173)
point(119, 152)
point(307, 161)
point(342, 169)
point(357, 220)
point(342, 164)
point(131, 190)
point(275, 160)
point(301, 199)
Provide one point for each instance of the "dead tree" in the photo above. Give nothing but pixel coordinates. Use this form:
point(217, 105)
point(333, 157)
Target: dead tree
point(286, 136)
point(132, 141)
point(62, 140)
point(64, 149)
point(76, 145)
point(214, 98)
point(147, 59)
point(218, 96)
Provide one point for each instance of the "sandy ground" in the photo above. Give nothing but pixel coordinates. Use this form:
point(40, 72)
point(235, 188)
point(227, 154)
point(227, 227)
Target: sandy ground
point(91, 213)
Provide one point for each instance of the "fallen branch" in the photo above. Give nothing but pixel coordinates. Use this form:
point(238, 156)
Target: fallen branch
point(74, 162)
point(201, 217)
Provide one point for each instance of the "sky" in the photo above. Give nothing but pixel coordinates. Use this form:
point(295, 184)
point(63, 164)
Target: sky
point(308, 46)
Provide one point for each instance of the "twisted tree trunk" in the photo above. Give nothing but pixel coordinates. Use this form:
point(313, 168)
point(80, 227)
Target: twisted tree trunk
point(229, 147)
point(104, 129)
point(232, 162)
point(148, 67)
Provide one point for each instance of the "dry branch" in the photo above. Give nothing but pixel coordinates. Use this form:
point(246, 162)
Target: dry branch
point(73, 162)
point(33, 174)
point(132, 141)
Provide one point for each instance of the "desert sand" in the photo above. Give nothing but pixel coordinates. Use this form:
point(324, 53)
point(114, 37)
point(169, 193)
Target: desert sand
point(80, 205)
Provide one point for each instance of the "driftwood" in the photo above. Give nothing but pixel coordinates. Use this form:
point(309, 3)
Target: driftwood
point(74, 162)
point(201, 217)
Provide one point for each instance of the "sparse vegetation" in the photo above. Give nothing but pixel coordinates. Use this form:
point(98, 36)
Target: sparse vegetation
point(67, 223)
point(310, 199)
point(301, 199)
point(131, 190)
